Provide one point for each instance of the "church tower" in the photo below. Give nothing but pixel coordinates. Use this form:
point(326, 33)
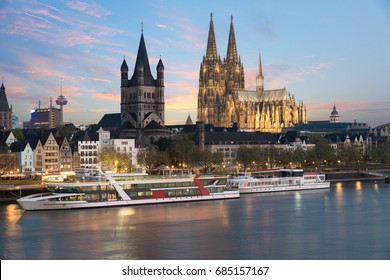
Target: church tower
point(211, 82)
point(5, 110)
point(142, 96)
point(235, 79)
point(142, 100)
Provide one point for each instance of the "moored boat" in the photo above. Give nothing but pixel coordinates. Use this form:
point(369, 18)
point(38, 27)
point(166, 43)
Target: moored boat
point(107, 190)
point(277, 180)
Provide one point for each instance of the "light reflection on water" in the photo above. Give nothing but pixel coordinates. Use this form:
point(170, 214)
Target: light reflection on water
point(349, 221)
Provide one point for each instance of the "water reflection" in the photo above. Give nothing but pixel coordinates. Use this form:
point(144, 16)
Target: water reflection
point(359, 192)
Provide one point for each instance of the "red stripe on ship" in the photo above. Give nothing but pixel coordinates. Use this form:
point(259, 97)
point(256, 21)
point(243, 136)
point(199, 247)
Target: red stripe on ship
point(202, 189)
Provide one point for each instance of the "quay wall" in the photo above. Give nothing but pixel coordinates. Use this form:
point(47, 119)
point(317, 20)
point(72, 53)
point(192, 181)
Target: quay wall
point(354, 175)
point(9, 193)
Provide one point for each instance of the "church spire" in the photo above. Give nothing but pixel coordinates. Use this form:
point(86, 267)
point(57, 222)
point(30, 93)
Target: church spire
point(259, 67)
point(259, 77)
point(142, 66)
point(5, 109)
point(231, 55)
point(211, 52)
point(3, 99)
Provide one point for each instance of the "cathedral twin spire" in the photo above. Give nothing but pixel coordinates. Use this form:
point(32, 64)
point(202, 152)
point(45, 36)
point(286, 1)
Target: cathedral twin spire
point(232, 69)
point(223, 100)
point(211, 52)
point(232, 56)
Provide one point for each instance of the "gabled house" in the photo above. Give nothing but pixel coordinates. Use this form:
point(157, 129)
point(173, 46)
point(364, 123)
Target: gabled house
point(65, 154)
point(50, 158)
point(24, 156)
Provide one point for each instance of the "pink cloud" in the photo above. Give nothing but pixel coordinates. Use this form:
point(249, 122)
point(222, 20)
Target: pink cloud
point(313, 69)
point(280, 75)
point(344, 105)
point(107, 96)
point(190, 75)
point(46, 10)
point(163, 26)
point(100, 110)
point(47, 24)
point(3, 14)
point(101, 80)
point(89, 9)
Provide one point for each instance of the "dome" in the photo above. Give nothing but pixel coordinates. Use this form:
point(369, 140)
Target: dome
point(334, 116)
point(334, 112)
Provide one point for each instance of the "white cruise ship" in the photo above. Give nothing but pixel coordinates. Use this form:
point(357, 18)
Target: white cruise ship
point(100, 189)
point(277, 180)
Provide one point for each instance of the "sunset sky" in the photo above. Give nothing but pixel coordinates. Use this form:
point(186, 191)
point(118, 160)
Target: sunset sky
point(323, 52)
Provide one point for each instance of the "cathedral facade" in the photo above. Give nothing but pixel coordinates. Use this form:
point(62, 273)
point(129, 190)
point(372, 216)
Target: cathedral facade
point(223, 100)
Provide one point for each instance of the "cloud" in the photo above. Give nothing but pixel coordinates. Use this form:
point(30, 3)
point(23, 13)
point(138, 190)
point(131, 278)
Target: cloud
point(280, 75)
point(189, 75)
point(100, 110)
point(47, 24)
point(46, 10)
point(313, 69)
point(163, 26)
point(107, 96)
point(3, 14)
point(89, 9)
point(349, 110)
point(100, 80)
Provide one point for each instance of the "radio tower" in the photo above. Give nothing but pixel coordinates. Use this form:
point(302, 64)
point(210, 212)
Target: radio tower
point(61, 100)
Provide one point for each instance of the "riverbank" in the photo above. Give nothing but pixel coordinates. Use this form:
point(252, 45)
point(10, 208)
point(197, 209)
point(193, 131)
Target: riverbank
point(356, 174)
point(10, 193)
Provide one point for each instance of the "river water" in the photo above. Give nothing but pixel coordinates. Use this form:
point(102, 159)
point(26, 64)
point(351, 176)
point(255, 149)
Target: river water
point(349, 221)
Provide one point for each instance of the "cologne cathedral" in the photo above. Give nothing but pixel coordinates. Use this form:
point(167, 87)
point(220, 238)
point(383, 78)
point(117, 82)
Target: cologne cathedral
point(223, 100)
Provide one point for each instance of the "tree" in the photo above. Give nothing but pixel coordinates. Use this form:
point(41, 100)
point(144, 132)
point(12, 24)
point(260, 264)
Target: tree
point(115, 160)
point(150, 157)
point(324, 152)
point(206, 159)
point(350, 154)
point(298, 156)
point(163, 143)
point(66, 130)
point(181, 149)
point(245, 157)
point(382, 153)
point(7, 162)
point(18, 133)
point(271, 155)
point(311, 157)
point(285, 157)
